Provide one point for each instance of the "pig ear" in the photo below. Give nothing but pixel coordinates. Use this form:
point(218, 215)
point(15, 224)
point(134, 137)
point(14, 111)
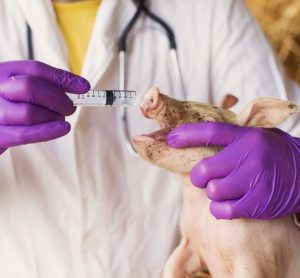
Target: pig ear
point(266, 112)
point(227, 101)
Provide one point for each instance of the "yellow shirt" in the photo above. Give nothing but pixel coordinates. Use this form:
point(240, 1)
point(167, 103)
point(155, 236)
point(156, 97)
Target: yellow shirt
point(76, 21)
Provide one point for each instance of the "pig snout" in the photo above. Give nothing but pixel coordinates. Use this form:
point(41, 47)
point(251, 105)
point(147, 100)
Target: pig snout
point(162, 109)
point(150, 102)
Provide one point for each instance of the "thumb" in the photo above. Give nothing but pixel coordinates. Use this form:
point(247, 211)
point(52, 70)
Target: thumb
point(204, 134)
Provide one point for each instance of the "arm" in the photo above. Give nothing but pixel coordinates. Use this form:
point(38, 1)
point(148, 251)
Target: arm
point(256, 175)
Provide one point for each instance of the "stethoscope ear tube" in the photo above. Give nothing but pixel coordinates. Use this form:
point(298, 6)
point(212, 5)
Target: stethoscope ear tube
point(124, 117)
point(177, 71)
point(122, 73)
point(141, 7)
point(166, 27)
point(29, 42)
point(127, 29)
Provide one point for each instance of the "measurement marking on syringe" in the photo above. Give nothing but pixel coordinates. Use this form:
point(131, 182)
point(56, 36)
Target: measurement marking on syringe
point(115, 98)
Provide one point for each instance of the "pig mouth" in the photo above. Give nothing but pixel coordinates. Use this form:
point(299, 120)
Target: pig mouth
point(158, 135)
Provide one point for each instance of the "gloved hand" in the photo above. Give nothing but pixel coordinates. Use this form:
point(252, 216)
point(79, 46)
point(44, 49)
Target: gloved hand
point(256, 175)
point(33, 102)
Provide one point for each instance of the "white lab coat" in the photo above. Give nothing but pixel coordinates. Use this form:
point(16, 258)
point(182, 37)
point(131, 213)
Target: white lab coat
point(82, 206)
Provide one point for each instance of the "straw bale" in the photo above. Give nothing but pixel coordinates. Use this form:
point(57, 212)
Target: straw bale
point(280, 20)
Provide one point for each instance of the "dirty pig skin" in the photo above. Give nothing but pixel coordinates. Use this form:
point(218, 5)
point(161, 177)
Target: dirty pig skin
point(239, 248)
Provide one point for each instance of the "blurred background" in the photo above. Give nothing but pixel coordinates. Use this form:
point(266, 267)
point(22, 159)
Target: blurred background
point(280, 20)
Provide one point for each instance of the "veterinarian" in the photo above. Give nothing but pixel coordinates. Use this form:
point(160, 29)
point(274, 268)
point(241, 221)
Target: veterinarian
point(79, 204)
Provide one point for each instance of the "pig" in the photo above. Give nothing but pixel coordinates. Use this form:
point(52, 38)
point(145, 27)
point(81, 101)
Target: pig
point(241, 248)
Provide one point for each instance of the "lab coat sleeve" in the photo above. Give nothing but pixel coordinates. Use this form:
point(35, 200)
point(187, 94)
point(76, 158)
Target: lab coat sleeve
point(242, 60)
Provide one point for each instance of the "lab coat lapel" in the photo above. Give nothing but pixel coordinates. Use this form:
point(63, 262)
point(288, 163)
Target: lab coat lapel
point(48, 41)
point(112, 17)
point(49, 47)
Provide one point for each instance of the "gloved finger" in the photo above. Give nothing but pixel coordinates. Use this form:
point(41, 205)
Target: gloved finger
point(19, 135)
point(18, 114)
point(227, 188)
point(30, 89)
point(204, 134)
point(211, 168)
point(68, 81)
point(226, 210)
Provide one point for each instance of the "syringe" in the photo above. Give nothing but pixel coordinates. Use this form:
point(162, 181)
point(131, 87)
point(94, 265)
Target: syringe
point(113, 98)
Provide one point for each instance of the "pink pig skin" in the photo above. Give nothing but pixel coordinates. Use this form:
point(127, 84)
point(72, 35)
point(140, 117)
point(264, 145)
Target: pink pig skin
point(227, 248)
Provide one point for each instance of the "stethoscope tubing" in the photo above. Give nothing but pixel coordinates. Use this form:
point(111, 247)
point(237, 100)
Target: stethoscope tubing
point(141, 9)
point(29, 42)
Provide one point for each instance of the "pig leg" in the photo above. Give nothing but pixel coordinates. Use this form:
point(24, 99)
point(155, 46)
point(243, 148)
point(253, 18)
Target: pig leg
point(183, 262)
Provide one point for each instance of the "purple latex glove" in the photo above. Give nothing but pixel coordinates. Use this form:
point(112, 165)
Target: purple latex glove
point(33, 102)
point(256, 175)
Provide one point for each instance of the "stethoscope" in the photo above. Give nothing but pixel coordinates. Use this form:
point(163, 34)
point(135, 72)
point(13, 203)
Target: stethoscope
point(141, 9)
